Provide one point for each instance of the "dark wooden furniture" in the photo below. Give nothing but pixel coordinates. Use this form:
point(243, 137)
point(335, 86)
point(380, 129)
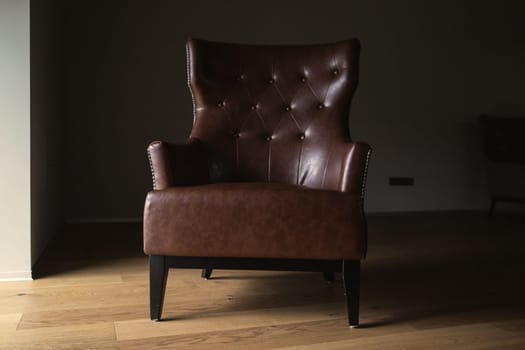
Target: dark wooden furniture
point(505, 153)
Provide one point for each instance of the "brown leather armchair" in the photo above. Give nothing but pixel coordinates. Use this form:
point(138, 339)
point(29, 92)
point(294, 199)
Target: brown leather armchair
point(269, 178)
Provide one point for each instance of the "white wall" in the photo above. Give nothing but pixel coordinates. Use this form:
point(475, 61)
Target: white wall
point(15, 245)
point(428, 69)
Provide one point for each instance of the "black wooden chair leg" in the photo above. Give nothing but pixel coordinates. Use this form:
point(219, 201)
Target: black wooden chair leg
point(206, 273)
point(158, 276)
point(351, 281)
point(329, 277)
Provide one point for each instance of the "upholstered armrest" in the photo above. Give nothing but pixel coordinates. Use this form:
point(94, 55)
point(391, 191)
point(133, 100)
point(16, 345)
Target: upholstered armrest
point(354, 167)
point(178, 164)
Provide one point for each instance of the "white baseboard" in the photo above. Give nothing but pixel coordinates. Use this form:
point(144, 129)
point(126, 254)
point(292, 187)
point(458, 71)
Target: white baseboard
point(10, 276)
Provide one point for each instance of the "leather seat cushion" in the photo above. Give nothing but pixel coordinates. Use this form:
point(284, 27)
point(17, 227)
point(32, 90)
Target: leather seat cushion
point(254, 220)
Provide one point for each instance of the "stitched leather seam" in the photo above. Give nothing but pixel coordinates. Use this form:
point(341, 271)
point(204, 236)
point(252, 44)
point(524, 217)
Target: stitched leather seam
point(312, 120)
point(250, 97)
point(253, 100)
point(227, 113)
point(312, 90)
point(299, 163)
point(296, 123)
point(237, 146)
point(289, 112)
point(269, 161)
point(237, 165)
point(284, 101)
point(330, 83)
point(260, 117)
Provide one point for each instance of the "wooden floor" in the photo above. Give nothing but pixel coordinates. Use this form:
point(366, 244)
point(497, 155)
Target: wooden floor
point(441, 281)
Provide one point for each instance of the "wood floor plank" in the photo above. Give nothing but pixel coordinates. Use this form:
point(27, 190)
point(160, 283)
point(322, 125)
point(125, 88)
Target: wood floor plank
point(144, 328)
point(513, 325)
point(266, 337)
point(58, 335)
point(57, 318)
point(72, 297)
point(184, 308)
point(477, 336)
point(9, 322)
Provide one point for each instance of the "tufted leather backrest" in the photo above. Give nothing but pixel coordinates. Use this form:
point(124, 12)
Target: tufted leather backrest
point(273, 113)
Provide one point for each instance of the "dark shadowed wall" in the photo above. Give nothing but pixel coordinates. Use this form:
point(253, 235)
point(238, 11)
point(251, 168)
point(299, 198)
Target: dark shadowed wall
point(428, 70)
point(47, 124)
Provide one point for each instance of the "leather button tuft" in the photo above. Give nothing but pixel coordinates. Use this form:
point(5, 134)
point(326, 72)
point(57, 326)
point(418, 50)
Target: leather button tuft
point(268, 138)
point(320, 106)
point(335, 71)
point(287, 108)
point(220, 104)
point(303, 80)
point(271, 81)
point(301, 136)
point(235, 135)
point(253, 107)
point(240, 77)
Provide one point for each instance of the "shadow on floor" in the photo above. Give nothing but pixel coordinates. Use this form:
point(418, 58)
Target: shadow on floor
point(437, 269)
point(80, 246)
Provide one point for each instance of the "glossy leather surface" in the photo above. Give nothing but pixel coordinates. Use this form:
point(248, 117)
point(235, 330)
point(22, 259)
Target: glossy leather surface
point(269, 170)
point(256, 220)
point(274, 113)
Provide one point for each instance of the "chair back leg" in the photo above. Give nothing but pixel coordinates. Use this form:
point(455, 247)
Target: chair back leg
point(329, 277)
point(351, 283)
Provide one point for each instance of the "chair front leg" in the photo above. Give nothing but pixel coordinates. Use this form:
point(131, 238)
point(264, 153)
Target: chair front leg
point(206, 273)
point(351, 282)
point(158, 276)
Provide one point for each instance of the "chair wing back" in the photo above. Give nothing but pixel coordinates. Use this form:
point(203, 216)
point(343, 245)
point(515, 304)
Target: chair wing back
point(273, 113)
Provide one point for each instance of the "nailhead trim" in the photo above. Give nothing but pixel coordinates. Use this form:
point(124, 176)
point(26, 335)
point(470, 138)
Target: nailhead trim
point(188, 80)
point(365, 173)
point(151, 169)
